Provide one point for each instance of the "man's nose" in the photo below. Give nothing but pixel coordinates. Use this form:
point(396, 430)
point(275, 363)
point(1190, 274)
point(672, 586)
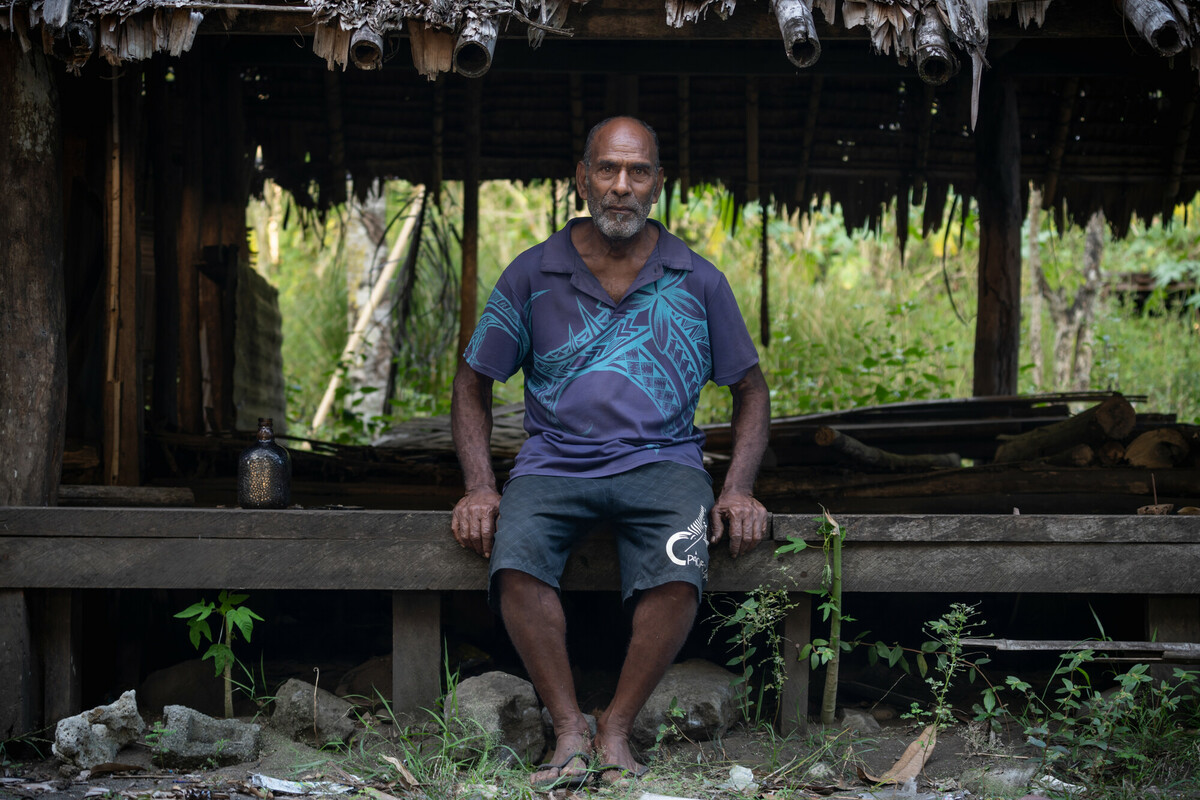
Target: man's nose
point(622, 183)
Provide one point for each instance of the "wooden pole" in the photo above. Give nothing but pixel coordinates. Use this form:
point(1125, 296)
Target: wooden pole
point(123, 386)
point(469, 304)
point(33, 359)
point(998, 191)
point(191, 211)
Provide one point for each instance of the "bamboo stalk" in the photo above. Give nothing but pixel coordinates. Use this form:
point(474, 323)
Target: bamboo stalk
point(366, 49)
point(829, 697)
point(1156, 23)
point(936, 63)
point(475, 46)
point(365, 314)
point(799, 31)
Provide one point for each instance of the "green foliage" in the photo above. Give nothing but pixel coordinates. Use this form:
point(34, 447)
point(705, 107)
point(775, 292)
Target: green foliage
point(755, 619)
point(850, 322)
point(670, 728)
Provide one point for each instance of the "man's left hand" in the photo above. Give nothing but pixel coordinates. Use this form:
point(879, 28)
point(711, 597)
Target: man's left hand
point(745, 518)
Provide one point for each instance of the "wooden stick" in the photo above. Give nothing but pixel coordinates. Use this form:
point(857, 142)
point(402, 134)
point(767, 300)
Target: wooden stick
point(870, 456)
point(365, 314)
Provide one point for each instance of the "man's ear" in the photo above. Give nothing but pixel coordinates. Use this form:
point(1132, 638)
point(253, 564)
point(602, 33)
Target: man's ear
point(581, 181)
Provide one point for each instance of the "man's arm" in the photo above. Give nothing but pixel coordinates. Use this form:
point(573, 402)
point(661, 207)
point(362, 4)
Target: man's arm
point(736, 507)
point(474, 519)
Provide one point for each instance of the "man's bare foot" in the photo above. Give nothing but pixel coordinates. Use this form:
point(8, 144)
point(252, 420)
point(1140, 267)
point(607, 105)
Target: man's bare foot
point(615, 758)
point(568, 765)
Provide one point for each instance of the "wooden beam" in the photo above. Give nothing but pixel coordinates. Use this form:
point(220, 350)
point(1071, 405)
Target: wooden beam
point(998, 191)
point(215, 548)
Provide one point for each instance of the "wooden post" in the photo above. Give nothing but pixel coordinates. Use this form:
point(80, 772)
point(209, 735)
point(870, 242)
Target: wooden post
point(191, 210)
point(165, 133)
point(33, 362)
point(122, 385)
point(1171, 618)
point(797, 630)
point(998, 191)
point(416, 651)
point(468, 309)
point(61, 646)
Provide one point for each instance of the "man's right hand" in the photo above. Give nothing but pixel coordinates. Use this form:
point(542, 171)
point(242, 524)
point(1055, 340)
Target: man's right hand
point(474, 520)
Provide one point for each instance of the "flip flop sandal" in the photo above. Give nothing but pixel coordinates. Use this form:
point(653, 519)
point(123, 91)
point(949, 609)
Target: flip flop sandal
point(622, 776)
point(572, 781)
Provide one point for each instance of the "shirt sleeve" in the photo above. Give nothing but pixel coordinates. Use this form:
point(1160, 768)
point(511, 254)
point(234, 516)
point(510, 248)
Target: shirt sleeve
point(500, 343)
point(733, 351)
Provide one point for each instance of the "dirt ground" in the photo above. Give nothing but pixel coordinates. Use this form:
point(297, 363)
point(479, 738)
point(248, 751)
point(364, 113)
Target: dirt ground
point(832, 764)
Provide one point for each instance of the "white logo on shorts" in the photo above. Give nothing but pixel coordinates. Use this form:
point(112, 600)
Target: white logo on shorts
point(693, 535)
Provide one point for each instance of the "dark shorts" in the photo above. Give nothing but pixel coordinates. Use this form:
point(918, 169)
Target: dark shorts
point(658, 514)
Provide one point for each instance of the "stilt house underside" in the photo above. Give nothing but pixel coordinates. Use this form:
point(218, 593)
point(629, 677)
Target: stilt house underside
point(875, 100)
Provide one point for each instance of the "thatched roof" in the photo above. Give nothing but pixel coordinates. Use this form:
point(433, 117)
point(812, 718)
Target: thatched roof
point(868, 100)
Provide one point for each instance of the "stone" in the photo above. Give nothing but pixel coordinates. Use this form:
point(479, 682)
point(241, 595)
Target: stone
point(855, 719)
point(295, 716)
point(498, 712)
point(189, 683)
point(95, 736)
point(1001, 780)
point(369, 683)
point(702, 691)
point(190, 740)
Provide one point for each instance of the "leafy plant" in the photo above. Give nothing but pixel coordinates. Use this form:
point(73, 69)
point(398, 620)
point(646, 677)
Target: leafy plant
point(235, 618)
point(755, 618)
point(670, 728)
point(945, 645)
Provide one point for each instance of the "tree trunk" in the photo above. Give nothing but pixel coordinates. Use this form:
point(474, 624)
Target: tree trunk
point(1033, 303)
point(1073, 320)
point(33, 373)
point(997, 189)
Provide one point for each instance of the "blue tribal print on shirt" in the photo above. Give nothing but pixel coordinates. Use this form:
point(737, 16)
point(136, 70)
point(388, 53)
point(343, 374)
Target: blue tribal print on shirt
point(659, 343)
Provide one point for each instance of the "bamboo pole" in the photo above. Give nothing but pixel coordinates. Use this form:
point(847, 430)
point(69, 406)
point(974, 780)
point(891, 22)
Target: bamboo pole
point(799, 31)
point(475, 46)
point(366, 49)
point(366, 312)
point(936, 63)
point(1156, 23)
point(470, 236)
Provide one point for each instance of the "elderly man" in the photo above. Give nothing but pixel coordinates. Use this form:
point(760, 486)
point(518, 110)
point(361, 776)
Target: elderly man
point(617, 326)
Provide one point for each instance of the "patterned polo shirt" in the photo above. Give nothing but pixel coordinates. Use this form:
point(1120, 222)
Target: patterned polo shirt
point(610, 386)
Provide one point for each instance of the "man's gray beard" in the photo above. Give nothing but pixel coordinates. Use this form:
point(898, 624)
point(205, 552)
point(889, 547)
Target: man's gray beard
point(622, 228)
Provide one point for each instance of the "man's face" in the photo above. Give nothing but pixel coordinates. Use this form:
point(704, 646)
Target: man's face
point(621, 183)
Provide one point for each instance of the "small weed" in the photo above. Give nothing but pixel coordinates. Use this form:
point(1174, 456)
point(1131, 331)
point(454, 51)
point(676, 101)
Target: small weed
point(155, 740)
point(234, 617)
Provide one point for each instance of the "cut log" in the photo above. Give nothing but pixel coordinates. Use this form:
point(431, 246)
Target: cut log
point(1078, 456)
point(1158, 449)
point(1110, 453)
point(1156, 23)
point(868, 456)
point(1112, 419)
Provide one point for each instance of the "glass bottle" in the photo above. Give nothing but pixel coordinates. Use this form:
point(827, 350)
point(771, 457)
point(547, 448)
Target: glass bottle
point(265, 471)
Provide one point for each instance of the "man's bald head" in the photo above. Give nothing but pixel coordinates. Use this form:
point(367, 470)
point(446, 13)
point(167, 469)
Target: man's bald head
point(599, 126)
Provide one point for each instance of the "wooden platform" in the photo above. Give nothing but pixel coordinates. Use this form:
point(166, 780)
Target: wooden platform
point(413, 556)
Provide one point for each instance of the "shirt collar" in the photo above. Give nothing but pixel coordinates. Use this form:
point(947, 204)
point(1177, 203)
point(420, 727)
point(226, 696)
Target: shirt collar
point(560, 255)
